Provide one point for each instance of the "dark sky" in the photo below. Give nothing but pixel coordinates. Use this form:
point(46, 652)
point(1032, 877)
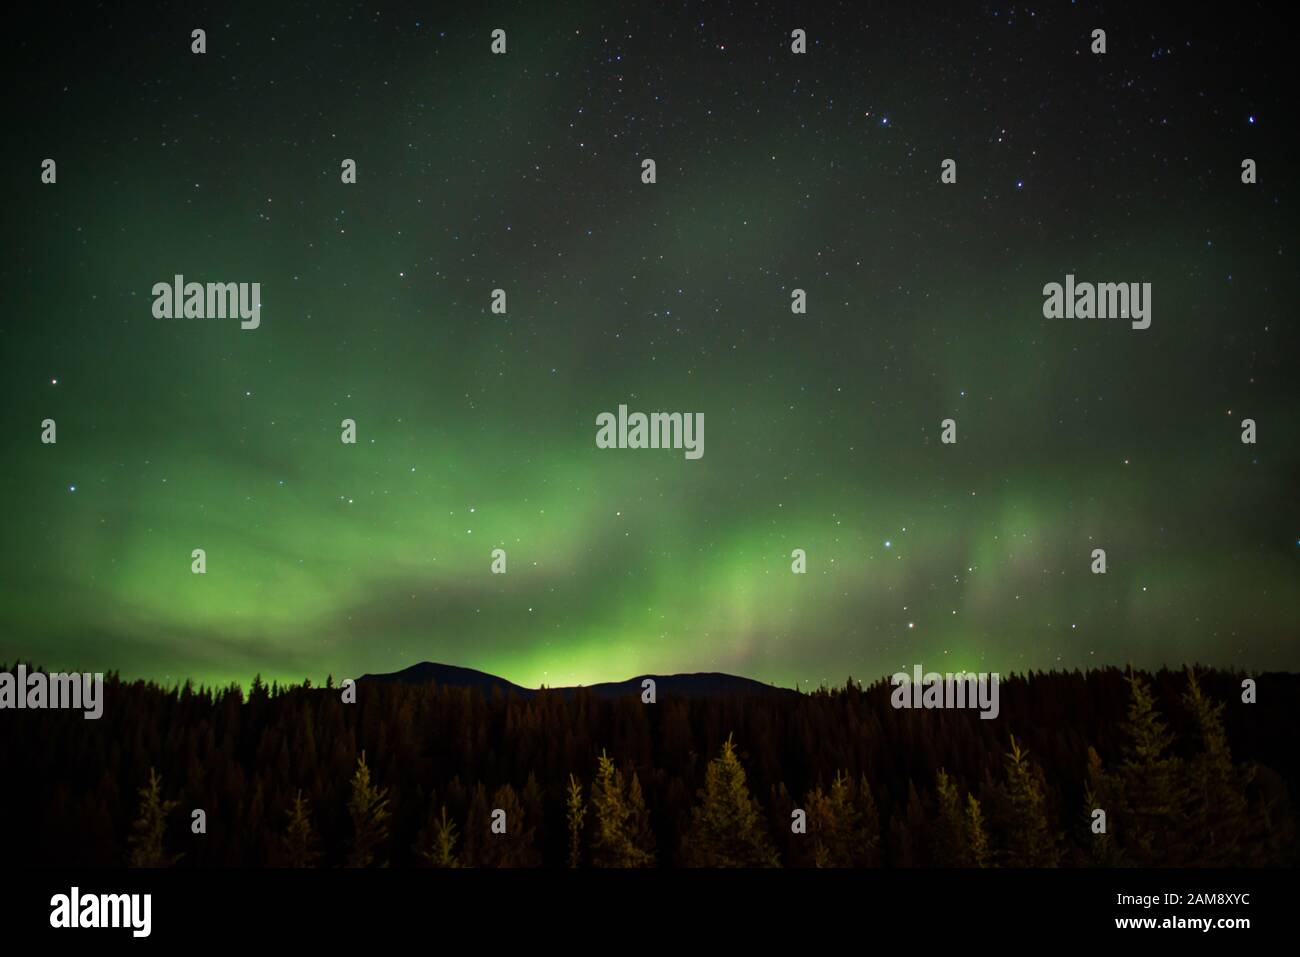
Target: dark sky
point(476, 430)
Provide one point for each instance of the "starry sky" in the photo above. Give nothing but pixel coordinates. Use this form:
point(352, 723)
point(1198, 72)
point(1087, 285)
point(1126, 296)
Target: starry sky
point(476, 430)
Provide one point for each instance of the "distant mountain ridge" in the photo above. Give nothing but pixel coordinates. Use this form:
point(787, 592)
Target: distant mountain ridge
point(698, 685)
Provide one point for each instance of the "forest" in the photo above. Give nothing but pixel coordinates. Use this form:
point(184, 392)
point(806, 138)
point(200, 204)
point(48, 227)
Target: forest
point(1183, 772)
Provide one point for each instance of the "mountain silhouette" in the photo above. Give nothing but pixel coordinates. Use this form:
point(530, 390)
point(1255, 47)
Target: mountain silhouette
point(698, 685)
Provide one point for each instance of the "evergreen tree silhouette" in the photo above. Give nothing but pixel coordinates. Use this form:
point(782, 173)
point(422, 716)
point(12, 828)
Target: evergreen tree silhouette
point(300, 838)
point(617, 821)
point(951, 843)
point(642, 834)
point(439, 850)
point(150, 826)
point(1219, 812)
point(838, 834)
point(869, 816)
point(977, 838)
point(575, 815)
point(823, 829)
point(515, 847)
point(907, 830)
point(1030, 842)
point(726, 828)
point(368, 808)
point(1155, 797)
point(477, 823)
point(1100, 793)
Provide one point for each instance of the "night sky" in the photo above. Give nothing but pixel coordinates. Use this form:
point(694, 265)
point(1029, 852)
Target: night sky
point(476, 430)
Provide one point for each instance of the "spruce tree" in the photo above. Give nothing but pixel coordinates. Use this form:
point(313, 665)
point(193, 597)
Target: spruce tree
point(639, 829)
point(838, 837)
point(575, 815)
point(977, 838)
point(902, 851)
point(1155, 797)
point(150, 826)
point(617, 821)
point(534, 808)
point(868, 853)
point(726, 828)
point(477, 823)
point(951, 846)
point(440, 850)
point(1219, 810)
point(850, 836)
point(1030, 842)
point(821, 828)
point(1100, 793)
point(908, 828)
point(368, 807)
point(516, 846)
point(299, 838)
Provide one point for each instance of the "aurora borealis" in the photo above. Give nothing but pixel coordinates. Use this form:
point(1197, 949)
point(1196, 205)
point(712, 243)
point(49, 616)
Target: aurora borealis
point(477, 430)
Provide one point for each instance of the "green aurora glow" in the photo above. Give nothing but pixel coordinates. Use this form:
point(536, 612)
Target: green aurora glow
point(477, 430)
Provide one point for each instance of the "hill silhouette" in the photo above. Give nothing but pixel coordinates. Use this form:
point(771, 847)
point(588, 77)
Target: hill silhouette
point(707, 684)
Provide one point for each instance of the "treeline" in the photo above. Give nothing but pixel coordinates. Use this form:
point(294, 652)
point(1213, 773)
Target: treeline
point(1096, 769)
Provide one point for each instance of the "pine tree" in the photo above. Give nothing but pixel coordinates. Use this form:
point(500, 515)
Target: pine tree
point(1219, 810)
point(838, 837)
point(368, 807)
point(977, 838)
point(1030, 842)
point(515, 847)
point(908, 827)
point(639, 829)
point(477, 822)
point(821, 828)
point(616, 820)
point(441, 845)
point(901, 848)
point(726, 828)
point(1155, 799)
point(575, 814)
point(150, 826)
point(300, 838)
point(1099, 793)
point(868, 853)
point(534, 809)
point(951, 844)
